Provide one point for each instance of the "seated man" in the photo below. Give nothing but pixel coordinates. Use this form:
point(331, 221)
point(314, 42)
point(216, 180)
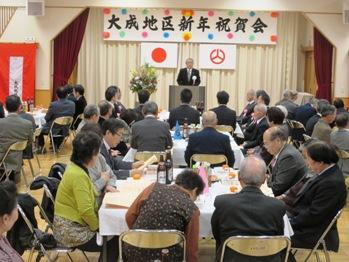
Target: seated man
point(254, 131)
point(143, 97)
point(319, 200)
point(305, 112)
point(340, 139)
point(287, 165)
point(288, 103)
point(236, 215)
point(150, 134)
point(113, 130)
point(168, 207)
point(14, 129)
point(209, 140)
point(309, 127)
point(245, 115)
point(225, 115)
point(262, 97)
point(59, 108)
point(91, 115)
point(322, 129)
point(80, 103)
point(184, 112)
point(105, 111)
point(339, 104)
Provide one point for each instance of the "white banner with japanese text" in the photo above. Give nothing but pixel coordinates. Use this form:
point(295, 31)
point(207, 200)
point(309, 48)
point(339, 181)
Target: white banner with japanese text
point(196, 26)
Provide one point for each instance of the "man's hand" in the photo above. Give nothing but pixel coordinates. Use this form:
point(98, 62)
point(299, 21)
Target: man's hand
point(137, 164)
point(109, 188)
point(115, 153)
point(105, 176)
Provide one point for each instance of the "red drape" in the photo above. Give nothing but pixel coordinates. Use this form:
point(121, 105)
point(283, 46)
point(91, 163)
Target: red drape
point(66, 49)
point(323, 51)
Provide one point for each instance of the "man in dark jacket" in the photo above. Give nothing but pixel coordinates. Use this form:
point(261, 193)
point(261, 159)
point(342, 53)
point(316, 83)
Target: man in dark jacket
point(188, 76)
point(225, 115)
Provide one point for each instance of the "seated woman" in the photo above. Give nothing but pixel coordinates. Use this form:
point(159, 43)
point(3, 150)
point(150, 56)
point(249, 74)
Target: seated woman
point(8, 216)
point(76, 221)
point(167, 207)
point(319, 200)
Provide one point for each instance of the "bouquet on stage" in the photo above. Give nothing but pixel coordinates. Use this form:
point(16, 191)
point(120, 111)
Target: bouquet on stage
point(144, 77)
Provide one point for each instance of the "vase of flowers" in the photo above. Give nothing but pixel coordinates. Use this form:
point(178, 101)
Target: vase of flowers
point(144, 77)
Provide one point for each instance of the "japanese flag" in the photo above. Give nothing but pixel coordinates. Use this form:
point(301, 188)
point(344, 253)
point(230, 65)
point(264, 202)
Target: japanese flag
point(213, 56)
point(159, 54)
point(17, 70)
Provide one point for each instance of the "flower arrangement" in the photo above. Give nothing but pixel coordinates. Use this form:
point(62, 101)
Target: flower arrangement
point(144, 77)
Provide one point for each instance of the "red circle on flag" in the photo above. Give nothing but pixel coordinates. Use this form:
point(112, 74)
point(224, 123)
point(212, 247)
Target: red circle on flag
point(159, 55)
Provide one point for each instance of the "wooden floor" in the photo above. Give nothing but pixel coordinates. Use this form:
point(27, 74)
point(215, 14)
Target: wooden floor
point(206, 246)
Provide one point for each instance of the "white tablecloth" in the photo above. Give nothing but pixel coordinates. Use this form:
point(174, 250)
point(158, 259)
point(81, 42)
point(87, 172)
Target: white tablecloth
point(112, 221)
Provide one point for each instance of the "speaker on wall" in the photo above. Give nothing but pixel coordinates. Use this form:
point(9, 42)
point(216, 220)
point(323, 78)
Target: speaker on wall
point(36, 7)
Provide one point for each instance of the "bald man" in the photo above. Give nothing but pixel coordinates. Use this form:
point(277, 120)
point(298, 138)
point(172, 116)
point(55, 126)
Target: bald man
point(209, 140)
point(247, 213)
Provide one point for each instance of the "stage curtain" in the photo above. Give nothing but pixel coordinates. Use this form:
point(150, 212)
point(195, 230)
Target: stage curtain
point(273, 68)
point(323, 52)
point(66, 49)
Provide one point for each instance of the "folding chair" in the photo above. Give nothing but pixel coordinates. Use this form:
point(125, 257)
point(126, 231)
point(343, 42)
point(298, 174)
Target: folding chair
point(210, 158)
point(152, 239)
point(36, 242)
point(257, 246)
point(60, 121)
point(79, 117)
point(17, 146)
point(225, 128)
point(51, 197)
point(145, 155)
point(297, 131)
point(321, 241)
point(35, 154)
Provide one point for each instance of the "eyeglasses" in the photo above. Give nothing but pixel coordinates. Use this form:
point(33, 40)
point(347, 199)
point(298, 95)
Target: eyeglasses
point(120, 135)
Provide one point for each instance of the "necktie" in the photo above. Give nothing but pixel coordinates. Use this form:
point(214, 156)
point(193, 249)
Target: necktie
point(188, 75)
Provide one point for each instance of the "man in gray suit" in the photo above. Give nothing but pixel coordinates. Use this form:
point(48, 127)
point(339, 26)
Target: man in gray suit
point(59, 108)
point(150, 134)
point(340, 139)
point(287, 165)
point(322, 129)
point(14, 129)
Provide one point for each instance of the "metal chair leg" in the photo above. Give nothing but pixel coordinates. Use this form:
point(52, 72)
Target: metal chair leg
point(25, 179)
point(38, 162)
point(327, 254)
point(85, 256)
point(31, 168)
point(317, 256)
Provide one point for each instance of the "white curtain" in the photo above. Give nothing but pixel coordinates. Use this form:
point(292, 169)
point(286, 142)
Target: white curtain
point(273, 68)
point(6, 14)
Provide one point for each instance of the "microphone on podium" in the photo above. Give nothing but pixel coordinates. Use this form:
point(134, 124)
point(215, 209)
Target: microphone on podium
point(194, 78)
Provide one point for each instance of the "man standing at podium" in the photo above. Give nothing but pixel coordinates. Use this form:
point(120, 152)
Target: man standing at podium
point(188, 76)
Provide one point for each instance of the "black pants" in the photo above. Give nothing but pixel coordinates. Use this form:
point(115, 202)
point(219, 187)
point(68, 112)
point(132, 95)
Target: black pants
point(112, 248)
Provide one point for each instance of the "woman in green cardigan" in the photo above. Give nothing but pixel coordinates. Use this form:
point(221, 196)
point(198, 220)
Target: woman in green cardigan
point(76, 212)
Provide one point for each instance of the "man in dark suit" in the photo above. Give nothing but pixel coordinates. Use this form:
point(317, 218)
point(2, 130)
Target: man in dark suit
point(58, 108)
point(184, 112)
point(305, 112)
point(322, 129)
point(339, 104)
point(288, 103)
point(143, 97)
point(150, 134)
point(225, 115)
point(288, 166)
point(14, 129)
point(254, 131)
point(113, 130)
point(188, 76)
point(245, 115)
point(80, 103)
point(105, 111)
point(309, 127)
point(209, 141)
point(321, 197)
point(236, 215)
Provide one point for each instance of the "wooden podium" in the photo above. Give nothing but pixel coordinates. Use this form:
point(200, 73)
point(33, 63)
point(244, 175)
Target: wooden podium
point(199, 94)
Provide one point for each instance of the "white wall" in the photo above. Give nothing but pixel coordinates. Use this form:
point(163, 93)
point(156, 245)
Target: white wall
point(332, 27)
point(43, 29)
point(328, 6)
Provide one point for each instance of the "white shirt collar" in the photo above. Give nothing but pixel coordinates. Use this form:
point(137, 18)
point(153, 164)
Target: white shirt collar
point(259, 120)
point(251, 102)
point(106, 145)
point(277, 155)
point(150, 116)
point(323, 171)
